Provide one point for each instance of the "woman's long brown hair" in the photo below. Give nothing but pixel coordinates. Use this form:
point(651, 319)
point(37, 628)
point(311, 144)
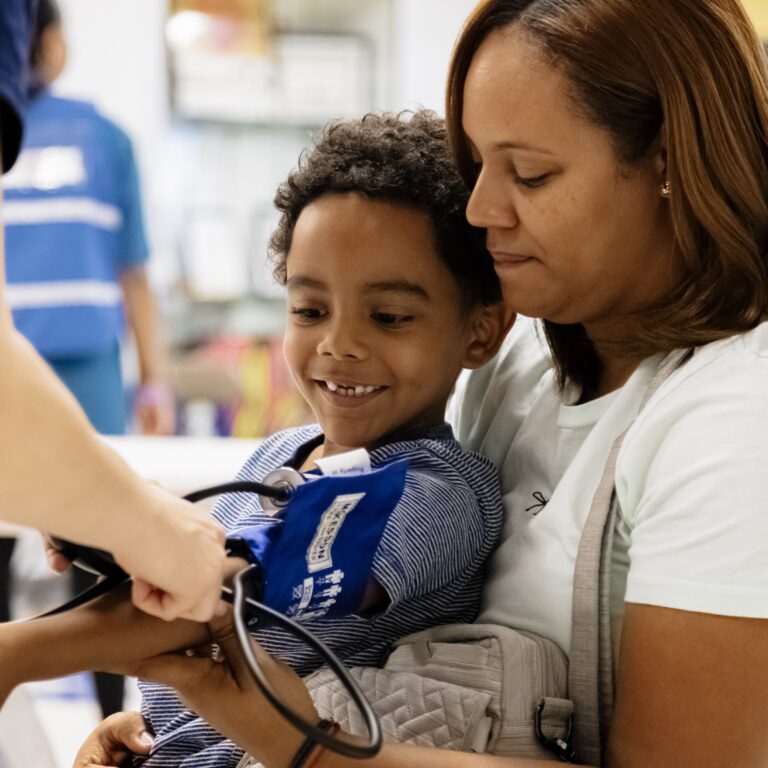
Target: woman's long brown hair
point(696, 71)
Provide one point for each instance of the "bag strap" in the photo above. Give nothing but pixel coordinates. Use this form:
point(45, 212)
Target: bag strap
point(590, 665)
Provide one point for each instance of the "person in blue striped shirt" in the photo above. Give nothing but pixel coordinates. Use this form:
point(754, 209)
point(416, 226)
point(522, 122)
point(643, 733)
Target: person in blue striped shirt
point(390, 294)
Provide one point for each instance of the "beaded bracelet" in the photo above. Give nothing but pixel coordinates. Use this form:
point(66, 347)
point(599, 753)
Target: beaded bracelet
point(310, 751)
point(153, 394)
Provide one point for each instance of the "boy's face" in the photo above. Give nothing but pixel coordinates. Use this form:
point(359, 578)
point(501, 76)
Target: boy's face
point(377, 331)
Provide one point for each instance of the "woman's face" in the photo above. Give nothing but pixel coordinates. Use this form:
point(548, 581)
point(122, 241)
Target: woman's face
point(576, 236)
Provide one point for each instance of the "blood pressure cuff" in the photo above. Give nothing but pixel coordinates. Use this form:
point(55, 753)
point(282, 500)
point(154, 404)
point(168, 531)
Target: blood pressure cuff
point(316, 557)
point(15, 31)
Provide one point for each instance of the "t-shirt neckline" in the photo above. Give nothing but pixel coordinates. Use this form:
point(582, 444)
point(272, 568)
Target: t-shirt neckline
point(583, 414)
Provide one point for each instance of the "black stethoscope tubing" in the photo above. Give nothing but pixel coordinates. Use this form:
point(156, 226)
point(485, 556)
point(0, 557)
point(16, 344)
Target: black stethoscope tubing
point(279, 493)
point(308, 729)
point(241, 601)
point(113, 576)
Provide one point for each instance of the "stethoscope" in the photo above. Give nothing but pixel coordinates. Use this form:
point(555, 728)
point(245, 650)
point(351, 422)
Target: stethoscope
point(275, 492)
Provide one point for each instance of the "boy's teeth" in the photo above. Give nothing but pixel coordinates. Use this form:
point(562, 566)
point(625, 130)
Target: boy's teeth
point(357, 391)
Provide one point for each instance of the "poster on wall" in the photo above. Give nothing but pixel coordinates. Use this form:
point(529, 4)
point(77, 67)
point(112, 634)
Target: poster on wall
point(228, 64)
point(219, 56)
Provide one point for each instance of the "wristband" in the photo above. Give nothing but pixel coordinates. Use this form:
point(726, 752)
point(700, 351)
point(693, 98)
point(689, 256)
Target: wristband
point(153, 394)
point(310, 751)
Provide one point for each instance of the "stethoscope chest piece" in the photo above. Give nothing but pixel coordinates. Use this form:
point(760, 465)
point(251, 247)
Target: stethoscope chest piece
point(285, 479)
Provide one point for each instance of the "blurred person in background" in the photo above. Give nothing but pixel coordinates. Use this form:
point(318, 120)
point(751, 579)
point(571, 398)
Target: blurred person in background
point(76, 250)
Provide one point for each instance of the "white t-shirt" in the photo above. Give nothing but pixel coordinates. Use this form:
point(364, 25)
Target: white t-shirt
point(691, 478)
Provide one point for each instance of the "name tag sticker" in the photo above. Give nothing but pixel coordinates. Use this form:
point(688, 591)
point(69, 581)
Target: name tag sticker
point(349, 463)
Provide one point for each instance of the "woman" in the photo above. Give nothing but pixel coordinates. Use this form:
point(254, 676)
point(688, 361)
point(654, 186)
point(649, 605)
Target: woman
point(56, 474)
point(618, 155)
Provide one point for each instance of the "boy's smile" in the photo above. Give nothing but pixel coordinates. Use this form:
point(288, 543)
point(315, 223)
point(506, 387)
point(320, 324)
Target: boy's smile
point(377, 330)
point(338, 393)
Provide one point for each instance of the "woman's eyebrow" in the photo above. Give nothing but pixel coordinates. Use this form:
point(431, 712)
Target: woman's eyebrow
point(521, 145)
point(304, 281)
point(397, 286)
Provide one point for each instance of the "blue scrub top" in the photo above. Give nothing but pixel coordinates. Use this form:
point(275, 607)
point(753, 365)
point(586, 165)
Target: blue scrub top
point(15, 31)
point(73, 224)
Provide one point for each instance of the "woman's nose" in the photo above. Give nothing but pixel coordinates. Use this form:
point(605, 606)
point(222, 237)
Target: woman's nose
point(343, 341)
point(490, 205)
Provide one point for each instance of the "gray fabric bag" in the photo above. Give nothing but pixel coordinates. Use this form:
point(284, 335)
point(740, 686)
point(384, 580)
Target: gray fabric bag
point(487, 688)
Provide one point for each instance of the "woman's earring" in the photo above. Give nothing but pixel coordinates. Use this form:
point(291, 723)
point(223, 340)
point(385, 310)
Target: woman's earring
point(666, 189)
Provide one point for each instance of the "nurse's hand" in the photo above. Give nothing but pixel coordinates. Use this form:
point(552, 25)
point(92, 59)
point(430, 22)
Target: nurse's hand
point(193, 559)
point(176, 558)
point(223, 693)
point(114, 742)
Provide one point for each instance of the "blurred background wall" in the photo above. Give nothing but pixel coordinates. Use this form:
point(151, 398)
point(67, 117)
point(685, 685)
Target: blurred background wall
point(211, 155)
point(210, 160)
point(758, 10)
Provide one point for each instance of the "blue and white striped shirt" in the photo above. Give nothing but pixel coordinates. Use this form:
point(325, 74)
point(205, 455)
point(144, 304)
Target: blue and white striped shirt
point(73, 226)
point(430, 561)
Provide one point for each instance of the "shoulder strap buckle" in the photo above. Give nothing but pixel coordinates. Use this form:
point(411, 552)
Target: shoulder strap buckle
point(561, 747)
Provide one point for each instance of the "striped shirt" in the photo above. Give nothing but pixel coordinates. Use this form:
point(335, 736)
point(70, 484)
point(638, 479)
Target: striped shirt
point(430, 561)
point(73, 226)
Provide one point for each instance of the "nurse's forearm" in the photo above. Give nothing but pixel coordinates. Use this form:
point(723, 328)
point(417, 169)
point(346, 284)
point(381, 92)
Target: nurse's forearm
point(142, 315)
point(107, 635)
point(58, 476)
point(56, 473)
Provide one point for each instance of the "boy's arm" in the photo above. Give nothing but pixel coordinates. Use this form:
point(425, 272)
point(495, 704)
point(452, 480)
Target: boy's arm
point(108, 634)
point(437, 534)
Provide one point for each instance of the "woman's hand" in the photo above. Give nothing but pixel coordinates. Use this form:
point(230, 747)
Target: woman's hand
point(113, 742)
point(225, 695)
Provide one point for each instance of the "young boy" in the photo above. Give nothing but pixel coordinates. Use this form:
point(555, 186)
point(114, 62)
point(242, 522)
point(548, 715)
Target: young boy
point(390, 294)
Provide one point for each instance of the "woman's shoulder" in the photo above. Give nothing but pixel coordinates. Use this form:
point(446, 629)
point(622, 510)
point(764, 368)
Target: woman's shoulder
point(707, 424)
point(692, 479)
point(731, 371)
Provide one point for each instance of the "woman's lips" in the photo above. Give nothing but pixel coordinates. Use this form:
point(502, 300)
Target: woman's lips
point(502, 258)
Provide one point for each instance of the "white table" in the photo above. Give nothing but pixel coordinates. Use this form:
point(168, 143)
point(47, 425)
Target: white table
point(184, 464)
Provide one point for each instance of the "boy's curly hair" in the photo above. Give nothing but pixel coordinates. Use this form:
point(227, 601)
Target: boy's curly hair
point(403, 158)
